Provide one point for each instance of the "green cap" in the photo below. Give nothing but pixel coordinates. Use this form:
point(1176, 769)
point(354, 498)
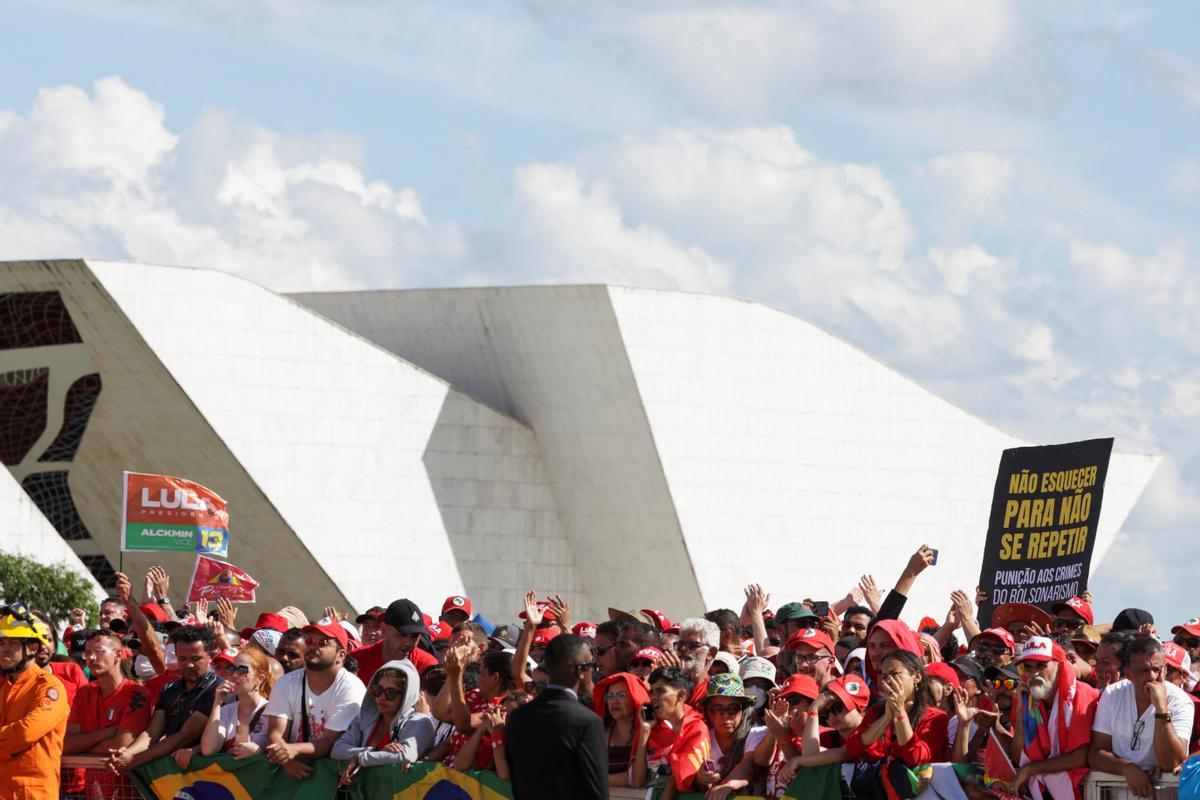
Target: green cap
point(792, 611)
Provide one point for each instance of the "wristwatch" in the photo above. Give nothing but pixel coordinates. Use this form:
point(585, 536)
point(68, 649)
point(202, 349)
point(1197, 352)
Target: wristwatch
point(1166, 717)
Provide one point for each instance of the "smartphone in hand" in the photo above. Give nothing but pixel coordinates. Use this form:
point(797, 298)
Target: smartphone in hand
point(935, 558)
point(821, 608)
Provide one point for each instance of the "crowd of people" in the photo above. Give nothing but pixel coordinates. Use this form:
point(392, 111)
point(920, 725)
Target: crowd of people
point(728, 703)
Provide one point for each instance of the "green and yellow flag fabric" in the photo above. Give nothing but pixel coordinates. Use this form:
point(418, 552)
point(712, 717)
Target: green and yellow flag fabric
point(428, 781)
point(226, 778)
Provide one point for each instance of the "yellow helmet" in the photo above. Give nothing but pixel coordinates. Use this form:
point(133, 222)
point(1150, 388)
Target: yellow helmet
point(17, 623)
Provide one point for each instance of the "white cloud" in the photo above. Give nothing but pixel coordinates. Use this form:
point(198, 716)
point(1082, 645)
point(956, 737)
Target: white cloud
point(101, 175)
point(1172, 72)
point(1183, 178)
point(745, 57)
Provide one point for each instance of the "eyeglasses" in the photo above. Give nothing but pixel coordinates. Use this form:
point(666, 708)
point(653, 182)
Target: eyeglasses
point(806, 622)
point(585, 667)
point(723, 709)
point(611, 696)
point(237, 669)
point(1001, 683)
point(1068, 624)
point(987, 647)
point(833, 709)
point(390, 692)
point(812, 658)
point(1138, 727)
point(683, 646)
point(1187, 642)
point(601, 650)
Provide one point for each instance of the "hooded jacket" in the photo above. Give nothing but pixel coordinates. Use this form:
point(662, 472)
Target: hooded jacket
point(633, 684)
point(901, 635)
point(414, 730)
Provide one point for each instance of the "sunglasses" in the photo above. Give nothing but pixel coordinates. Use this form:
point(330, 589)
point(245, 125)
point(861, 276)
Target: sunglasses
point(1187, 642)
point(1001, 683)
point(723, 709)
point(987, 647)
point(601, 650)
point(237, 669)
point(390, 692)
point(585, 667)
point(1068, 624)
point(794, 699)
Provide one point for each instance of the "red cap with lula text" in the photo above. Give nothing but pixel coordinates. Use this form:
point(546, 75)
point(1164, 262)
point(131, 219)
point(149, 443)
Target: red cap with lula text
point(585, 629)
point(660, 619)
point(651, 654)
point(440, 631)
point(1177, 657)
point(1036, 648)
point(457, 602)
point(1000, 634)
point(813, 638)
point(543, 636)
point(1079, 606)
point(802, 685)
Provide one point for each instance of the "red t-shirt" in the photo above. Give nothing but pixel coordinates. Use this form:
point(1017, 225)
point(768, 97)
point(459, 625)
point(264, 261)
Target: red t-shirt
point(483, 755)
point(156, 684)
point(927, 745)
point(129, 708)
point(71, 675)
point(370, 659)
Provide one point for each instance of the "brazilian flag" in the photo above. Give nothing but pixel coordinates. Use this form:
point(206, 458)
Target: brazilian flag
point(226, 778)
point(428, 781)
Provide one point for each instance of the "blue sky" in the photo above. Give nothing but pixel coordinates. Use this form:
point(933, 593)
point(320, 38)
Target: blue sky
point(996, 198)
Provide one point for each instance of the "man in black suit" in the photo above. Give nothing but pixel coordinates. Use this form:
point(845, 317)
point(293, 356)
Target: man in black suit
point(554, 743)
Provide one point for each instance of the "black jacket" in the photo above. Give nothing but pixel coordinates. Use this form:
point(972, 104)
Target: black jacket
point(555, 749)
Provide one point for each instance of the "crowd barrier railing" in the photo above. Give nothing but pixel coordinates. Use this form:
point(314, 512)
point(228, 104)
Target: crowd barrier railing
point(1102, 786)
point(87, 777)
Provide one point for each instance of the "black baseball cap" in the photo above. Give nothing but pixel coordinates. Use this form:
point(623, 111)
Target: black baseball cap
point(374, 612)
point(404, 616)
point(969, 668)
point(1130, 619)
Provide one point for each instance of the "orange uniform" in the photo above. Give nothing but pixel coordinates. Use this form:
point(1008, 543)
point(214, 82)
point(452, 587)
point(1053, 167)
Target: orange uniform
point(33, 721)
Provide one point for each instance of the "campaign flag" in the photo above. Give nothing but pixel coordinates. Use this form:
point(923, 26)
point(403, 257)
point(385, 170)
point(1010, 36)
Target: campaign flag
point(226, 778)
point(1042, 527)
point(213, 579)
point(161, 512)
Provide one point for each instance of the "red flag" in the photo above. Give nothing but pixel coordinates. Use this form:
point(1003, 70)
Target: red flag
point(213, 579)
point(997, 767)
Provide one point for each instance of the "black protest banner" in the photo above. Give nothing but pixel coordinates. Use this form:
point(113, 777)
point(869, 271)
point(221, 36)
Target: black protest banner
point(1042, 528)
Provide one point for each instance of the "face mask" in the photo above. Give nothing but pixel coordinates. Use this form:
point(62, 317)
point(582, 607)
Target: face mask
point(142, 667)
point(760, 696)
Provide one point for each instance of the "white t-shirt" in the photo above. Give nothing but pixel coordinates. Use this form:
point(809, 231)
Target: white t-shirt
point(1117, 716)
point(715, 754)
point(333, 709)
point(227, 722)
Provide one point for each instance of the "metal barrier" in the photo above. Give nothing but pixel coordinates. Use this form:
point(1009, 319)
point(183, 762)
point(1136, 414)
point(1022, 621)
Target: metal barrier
point(87, 777)
point(1102, 786)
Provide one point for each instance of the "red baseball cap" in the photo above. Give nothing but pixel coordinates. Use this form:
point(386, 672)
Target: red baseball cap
point(1079, 606)
point(809, 637)
point(651, 654)
point(660, 619)
point(426, 620)
point(269, 620)
point(221, 658)
point(333, 630)
point(155, 612)
point(547, 614)
point(543, 636)
point(940, 669)
point(457, 602)
point(585, 629)
point(1001, 635)
point(1036, 648)
point(1177, 657)
point(440, 631)
point(1192, 626)
point(803, 685)
point(853, 691)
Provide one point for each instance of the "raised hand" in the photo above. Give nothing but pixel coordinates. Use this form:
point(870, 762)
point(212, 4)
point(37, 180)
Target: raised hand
point(562, 613)
point(124, 589)
point(160, 582)
point(332, 614)
point(962, 709)
point(533, 614)
point(980, 596)
point(757, 599)
point(227, 612)
point(919, 560)
point(200, 611)
point(670, 659)
point(77, 617)
point(870, 592)
point(777, 715)
point(962, 605)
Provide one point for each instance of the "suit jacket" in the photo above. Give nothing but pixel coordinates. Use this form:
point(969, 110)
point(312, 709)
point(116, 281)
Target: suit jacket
point(555, 749)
